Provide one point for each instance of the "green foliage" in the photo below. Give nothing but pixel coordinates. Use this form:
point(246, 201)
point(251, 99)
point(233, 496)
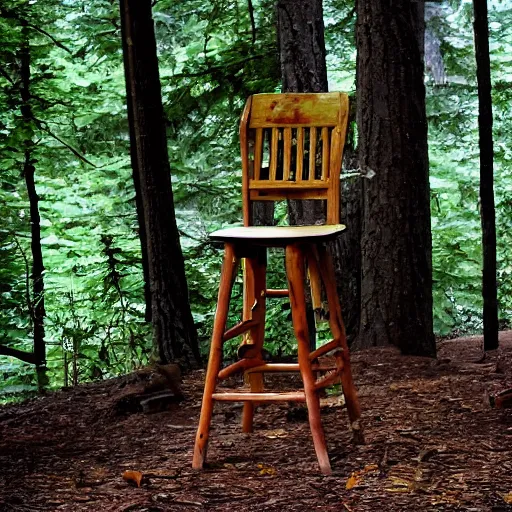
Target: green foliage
point(94, 323)
point(454, 169)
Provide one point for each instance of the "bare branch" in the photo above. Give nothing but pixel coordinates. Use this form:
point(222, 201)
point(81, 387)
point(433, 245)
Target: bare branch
point(213, 69)
point(42, 125)
point(28, 357)
point(55, 41)
point(6, 76)
point(4, 13)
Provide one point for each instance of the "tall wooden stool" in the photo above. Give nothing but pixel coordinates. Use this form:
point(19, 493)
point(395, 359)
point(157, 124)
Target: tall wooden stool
point(292, 146)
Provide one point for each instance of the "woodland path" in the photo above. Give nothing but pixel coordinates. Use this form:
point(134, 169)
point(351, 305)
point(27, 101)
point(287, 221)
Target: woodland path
point(432, 443)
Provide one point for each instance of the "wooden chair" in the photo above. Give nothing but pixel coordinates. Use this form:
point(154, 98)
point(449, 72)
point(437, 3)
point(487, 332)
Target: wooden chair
point(291, 147)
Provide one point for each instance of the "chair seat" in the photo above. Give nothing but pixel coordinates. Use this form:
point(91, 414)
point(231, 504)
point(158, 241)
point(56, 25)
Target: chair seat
point(277, 235)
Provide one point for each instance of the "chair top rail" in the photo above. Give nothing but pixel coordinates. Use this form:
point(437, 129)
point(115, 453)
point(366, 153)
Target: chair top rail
point(297, 110)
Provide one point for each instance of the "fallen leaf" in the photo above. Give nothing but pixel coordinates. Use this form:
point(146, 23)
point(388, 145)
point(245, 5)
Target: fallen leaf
point(333, 401)
point(274, 434)
point(134, 477)
point(266, 470)
point(400, 482)
point(353, 480)
point(400, 485)
point(356, 476)
point(508, 498)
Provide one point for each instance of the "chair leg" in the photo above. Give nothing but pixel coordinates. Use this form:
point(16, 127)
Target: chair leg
point(338, 332)
point(254, 308)
point(316, 287)
point(295, 271)
point(229, 268)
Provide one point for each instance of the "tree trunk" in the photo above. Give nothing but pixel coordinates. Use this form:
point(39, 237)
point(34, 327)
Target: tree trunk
point(487, 212)
point(173, 327)
point(300, 29)
point(396, 245)
point(136, 176)
point(38, 310)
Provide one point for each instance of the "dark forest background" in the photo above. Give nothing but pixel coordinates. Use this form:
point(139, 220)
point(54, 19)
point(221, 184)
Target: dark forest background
point(65, 150)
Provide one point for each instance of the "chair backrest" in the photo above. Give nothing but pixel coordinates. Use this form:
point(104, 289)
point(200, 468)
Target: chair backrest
point(292, 147)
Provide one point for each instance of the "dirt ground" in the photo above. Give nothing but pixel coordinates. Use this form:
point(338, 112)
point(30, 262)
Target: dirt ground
point(432, 443)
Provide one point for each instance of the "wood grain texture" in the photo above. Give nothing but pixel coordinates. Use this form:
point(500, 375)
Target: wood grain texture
point(325, 153)
point(254, 308)
point(338, 331)
point(295, 272)
point(229, 268)
point(287, 153)
point(314, 116)
point(277, 185)
point(295, 109)
point(273, 153)
point(285, 234)
point(244, 150)
point(300, 154)
point(312, 154)
point(258, 153)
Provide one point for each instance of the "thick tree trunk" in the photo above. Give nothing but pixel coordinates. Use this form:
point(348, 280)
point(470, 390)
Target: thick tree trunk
point(38, 310)
point(487, 212)
point(396, 287)
point(173, 327)
point(300, 29)
point(136, 175)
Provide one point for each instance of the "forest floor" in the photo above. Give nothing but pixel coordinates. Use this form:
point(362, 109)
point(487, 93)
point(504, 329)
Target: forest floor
point(432, 443)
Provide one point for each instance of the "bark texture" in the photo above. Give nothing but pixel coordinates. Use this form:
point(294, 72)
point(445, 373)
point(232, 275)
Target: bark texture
point(396, 246)
point(128, 72)
point(487, 211)
point(173, 327)
point(302, 45)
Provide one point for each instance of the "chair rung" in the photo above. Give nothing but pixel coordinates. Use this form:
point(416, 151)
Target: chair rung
point(275, 367)
point(328, 347)
point(286, 367)
point(238, 329)
point(242, 365)
point(277, 185)
point(271, 293)
point(328, 380)
point(295, 396)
